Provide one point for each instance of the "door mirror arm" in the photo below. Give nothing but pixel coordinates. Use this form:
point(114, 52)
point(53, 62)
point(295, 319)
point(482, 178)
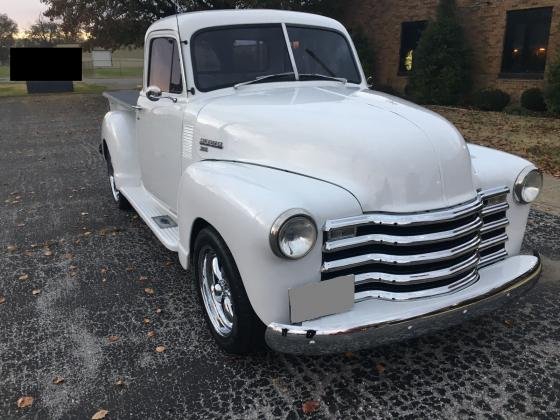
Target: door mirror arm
point(153, 93)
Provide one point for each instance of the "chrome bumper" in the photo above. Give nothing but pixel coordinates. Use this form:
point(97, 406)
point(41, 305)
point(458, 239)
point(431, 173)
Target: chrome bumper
point(375, 322)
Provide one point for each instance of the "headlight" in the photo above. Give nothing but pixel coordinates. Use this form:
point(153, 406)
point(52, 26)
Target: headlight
point(528, 185)
point(293, 234)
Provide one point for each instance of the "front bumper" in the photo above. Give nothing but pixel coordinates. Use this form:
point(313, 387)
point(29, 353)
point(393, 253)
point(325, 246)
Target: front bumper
point(375, 322)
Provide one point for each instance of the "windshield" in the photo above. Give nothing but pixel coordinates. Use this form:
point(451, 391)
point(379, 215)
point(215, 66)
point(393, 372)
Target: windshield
point(226, 56)
point(322, 51)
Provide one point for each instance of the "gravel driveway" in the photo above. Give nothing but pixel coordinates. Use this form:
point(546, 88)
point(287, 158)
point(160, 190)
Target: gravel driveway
point(76, 275)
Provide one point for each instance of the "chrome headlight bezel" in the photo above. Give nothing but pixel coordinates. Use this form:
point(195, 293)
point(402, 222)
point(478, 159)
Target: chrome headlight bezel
point(277, 229)
point(521, 184)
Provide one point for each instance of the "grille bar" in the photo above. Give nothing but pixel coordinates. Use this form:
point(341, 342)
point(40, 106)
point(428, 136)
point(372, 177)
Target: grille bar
point(399, 240)
point(418, 278)
point(492, 258)
point(466, 281)
point(471, 245)
point(495, 208)
point(412, 219)
point(498, 224)
point(490, 242)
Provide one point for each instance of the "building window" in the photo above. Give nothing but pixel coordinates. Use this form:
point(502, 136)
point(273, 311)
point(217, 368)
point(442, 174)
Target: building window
point(410, 36)
point(526, 42)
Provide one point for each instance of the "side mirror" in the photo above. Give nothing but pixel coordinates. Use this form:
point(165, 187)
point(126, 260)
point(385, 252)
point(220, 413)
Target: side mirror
point(370, 82)
point(153, 93)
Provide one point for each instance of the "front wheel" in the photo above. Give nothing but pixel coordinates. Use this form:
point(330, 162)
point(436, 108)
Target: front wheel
point(228, 312)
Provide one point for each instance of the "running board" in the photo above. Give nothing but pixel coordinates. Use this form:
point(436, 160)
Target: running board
point(154, 215)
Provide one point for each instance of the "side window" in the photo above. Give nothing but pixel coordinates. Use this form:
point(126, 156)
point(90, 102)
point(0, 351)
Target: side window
point(165, 66)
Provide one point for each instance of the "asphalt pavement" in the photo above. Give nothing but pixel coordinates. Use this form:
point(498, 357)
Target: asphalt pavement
point(90, 296)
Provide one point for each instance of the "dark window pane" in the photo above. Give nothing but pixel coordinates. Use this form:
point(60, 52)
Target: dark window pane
point(526, 40)
point(410, 36)
point(165, 66)
point(225, 56)
point(322, 51)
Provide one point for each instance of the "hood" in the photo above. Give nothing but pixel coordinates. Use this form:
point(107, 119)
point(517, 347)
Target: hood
point(390, 154)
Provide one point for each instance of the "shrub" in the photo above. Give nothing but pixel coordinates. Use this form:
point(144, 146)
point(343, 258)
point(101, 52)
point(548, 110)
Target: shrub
point(491, 100)
point(441, 71)
point(533, 100)
point(552, 92)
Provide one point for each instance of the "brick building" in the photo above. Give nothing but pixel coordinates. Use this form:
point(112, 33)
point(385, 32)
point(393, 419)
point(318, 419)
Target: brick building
point(512, 40)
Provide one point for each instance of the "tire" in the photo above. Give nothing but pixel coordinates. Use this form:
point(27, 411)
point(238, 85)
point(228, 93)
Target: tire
point(227, 310)
point(122, 202)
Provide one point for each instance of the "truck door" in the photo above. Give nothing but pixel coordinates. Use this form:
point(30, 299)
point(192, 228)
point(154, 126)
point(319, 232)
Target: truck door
point(159, 123)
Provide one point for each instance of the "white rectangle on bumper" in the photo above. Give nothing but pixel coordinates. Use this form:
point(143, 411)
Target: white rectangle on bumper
point(315, 300)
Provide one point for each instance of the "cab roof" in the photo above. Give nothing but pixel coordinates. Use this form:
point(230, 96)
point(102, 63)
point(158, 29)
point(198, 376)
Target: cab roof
point(189, 23)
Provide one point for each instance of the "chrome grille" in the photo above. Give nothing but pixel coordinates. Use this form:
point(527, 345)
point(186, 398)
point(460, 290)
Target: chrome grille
point(410, 256)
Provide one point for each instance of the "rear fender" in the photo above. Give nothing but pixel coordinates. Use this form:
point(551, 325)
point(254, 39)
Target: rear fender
point(118, 134)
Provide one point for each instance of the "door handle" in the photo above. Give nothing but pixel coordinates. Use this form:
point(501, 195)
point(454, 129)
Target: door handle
point(137, 107)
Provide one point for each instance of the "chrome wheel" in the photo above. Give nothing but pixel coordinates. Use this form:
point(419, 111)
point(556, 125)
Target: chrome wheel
point(116, 193)
point(216, 292)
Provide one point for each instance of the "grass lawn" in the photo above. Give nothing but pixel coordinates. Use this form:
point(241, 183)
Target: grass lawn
point(534, 138)
point(20, 89)
point(113, 72)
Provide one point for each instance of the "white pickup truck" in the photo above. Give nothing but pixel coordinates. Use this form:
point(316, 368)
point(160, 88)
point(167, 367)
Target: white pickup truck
point(318, 215)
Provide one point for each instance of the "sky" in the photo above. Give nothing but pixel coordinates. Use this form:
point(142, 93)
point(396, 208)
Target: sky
point(24, 12)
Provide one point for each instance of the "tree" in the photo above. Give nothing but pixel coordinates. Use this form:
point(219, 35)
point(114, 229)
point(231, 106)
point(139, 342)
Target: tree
point(46, 33)
point(8, 29)
point(441, 72)
point(124, 22)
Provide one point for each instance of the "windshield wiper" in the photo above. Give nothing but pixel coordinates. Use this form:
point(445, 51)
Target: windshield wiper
point(263, 78)
point(323, 76)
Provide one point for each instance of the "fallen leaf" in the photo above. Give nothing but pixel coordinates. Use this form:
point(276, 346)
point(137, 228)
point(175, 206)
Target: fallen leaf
point(349, 355)
point(87, 233)
point(99, 415)
point(103, 270)
point(129, 269)
point(23, 402)
point(36, 291)
point(68, 256)
point(47, 253)
point(508, 323)
point(20, 225)
point(310, 406)
point(11, 248)
point(2, 299)
point(168, 263)
point(151, 334)
point(57, 380)
point(160, 349)
point(146, 321)
point(149, 290)
point(113, 338)
point(73, 267)
point(23, 277)
point(158, 311)
point(380, 368)
point(84, 213)
point(143, 278)
point(119, 382)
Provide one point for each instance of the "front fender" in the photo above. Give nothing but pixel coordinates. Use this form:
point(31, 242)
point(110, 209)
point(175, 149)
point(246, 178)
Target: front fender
point(493, 168)
point(118, 131)
point(242, 201)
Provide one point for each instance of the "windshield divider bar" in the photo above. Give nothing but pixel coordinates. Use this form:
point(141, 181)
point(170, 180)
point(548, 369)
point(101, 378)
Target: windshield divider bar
point(290, 52)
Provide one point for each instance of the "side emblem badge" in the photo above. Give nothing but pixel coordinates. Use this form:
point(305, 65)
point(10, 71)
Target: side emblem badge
point(205, 144)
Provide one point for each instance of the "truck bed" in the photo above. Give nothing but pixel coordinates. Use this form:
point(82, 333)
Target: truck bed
point(122, 99)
